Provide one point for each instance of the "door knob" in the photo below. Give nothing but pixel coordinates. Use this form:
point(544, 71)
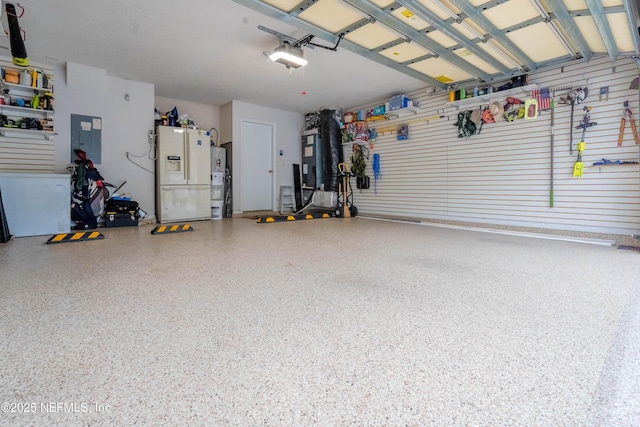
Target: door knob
point(270, 171)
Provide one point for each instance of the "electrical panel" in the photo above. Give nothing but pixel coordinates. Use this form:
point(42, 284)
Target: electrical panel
point(312, 160)
point(86, 135)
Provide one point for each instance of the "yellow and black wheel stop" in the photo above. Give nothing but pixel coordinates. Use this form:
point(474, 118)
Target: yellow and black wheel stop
point(166, 229)
point(80, 236)
point(285, 218)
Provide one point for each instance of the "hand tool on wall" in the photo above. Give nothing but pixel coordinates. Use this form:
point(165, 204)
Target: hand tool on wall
point(552, 104)
point(18, 51)
point(553, 109)
point(627, 115)
point(572, 99)
point(575, 96)
point(578, 166)
point(343, 209)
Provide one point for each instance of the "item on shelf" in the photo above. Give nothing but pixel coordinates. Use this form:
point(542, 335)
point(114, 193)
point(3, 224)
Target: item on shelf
point(25, 78)
point(12, 76)
point(46, 102)
point(519, 81)
point(46, 125)
point(348, 118)
point(398, 101)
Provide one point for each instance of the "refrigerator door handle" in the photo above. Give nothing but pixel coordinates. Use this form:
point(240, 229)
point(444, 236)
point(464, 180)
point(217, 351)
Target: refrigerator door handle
point(187, 160)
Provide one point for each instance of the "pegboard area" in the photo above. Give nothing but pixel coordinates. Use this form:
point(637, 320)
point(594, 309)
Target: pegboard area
point(502, 175)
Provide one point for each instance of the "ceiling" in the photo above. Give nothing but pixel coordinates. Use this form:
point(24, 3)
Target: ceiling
point(213, 52)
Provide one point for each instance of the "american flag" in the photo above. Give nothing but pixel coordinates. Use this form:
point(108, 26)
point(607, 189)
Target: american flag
point(543, 97)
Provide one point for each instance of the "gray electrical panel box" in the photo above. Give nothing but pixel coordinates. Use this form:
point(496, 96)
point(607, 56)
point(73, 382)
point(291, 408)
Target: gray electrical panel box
point(312, 160)
point(86, 135)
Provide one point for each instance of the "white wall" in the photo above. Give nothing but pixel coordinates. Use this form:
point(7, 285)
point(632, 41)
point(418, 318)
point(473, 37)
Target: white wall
point(226, 123)
point(502, 175)
point(125, 125)
point(204, 116)
point(287, 125)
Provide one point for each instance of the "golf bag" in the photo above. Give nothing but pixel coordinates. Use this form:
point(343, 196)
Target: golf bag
point(89, 194)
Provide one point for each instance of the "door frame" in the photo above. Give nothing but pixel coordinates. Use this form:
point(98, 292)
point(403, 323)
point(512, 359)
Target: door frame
point(272, 165)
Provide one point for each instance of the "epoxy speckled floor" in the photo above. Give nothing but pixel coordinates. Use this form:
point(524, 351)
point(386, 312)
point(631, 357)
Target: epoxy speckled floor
point(323, 322)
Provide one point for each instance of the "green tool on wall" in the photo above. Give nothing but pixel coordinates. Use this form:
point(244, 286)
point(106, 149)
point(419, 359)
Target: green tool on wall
point(578, 166)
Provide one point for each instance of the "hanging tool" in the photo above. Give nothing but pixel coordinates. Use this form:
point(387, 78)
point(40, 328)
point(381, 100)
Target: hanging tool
point(18, 51)
point(575, 96)
point(553, 109)
point(344, 207)
point(572, 99)
point(578, 166)
point(627, 115)
point(604, 93)
point(376, 172)
point(552, 105)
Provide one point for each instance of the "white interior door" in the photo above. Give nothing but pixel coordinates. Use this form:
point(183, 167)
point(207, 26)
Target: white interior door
point(257, 165)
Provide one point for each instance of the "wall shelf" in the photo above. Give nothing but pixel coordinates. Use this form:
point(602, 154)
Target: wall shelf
point(488, 98)
point(25, 87)
point(402, 112)
point(27, 149)
point(45, 134)
point(24, 110)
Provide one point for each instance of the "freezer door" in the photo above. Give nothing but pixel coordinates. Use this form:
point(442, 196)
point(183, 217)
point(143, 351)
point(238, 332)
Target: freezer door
point(36, 204)
point(184, 203)
point(199, 157)
point(171, 163)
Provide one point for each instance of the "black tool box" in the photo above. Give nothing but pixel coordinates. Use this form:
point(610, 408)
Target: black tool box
point(121, 213)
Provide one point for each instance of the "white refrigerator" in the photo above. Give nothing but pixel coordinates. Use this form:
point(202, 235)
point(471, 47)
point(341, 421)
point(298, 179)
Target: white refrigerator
point(183, 174)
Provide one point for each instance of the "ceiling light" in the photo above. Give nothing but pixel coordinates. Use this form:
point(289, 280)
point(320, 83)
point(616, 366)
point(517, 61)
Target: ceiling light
point(289, 56)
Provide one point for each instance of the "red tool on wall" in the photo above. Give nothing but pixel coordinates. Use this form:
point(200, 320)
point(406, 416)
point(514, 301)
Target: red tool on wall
point(627, 115)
